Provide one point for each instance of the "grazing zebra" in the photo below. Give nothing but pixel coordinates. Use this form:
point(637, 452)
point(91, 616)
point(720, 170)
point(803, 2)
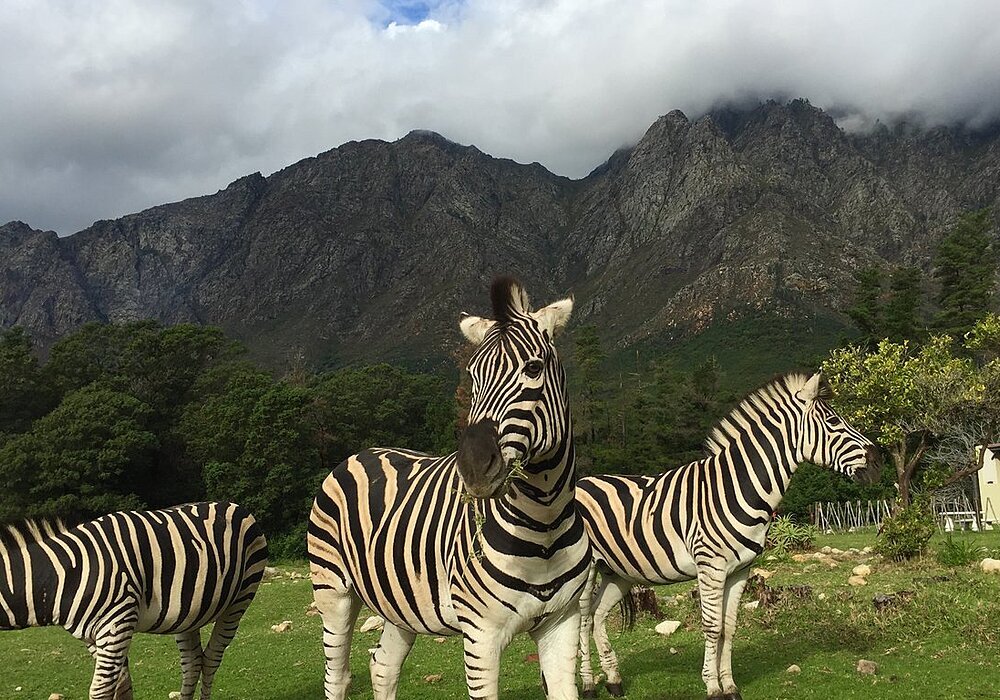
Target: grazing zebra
point(485, 542)
point(167, 571)
point(708, 519)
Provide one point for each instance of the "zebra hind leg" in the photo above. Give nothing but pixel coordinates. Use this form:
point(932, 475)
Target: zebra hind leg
point(223, 632)
point(387, 660)
point(339, 608)
point(609, 593)
point(189, 645)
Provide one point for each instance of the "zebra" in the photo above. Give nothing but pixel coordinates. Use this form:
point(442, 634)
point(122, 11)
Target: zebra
point(708, 520)
point(169, 571)
point(483, 543)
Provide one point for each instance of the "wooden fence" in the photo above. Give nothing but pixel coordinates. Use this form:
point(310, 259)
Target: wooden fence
point(849, 515)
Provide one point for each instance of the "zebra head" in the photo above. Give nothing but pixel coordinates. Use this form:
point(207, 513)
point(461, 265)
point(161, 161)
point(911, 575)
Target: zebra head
point(830, 441)
point(519, 410)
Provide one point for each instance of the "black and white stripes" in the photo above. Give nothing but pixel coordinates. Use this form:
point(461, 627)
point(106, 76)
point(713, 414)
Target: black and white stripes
point(708, 519)
point(485, 542)
point(169, 571)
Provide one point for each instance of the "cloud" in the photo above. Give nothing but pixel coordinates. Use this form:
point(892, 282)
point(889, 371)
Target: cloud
point(111, 107)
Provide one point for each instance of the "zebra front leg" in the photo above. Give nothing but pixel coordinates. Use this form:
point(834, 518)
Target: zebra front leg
point(123, 691)
point(339, 608)
point(482, 661)
point(387, 660)
point(189, 645)
point(110, 652)
point(558, 639)
point(610, 593)
point(586, 630)
point(735, 584)
point(711, 589)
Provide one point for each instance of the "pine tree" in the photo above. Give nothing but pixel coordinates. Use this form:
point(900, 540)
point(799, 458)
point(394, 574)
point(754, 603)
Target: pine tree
point(901, 309)
point(965, 267)
point(867, 311)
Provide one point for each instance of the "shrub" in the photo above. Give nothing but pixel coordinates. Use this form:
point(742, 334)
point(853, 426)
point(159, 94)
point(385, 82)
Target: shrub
point(785, 535)
point(959, 552)
point(905, 534)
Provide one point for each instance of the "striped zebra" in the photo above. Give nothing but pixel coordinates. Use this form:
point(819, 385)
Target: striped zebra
point(708, 520)
point(483, 543)
point(167, 571)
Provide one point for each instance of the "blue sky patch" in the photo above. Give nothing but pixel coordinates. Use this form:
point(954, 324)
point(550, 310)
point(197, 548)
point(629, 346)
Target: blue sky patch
point(407, 11)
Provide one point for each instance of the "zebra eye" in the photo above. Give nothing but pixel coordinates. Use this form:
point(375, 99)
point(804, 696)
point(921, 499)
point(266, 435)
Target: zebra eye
point(533, 369)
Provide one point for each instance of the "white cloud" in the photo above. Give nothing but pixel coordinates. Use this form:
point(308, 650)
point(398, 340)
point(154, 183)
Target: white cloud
point(111, 107)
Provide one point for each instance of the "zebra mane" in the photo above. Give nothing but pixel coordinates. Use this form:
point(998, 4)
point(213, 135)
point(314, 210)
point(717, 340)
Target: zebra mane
point(727, 430)
point(509, 298)
point(31, 531)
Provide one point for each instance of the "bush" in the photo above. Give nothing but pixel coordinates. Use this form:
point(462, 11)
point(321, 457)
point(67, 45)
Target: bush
point(905, 535)
point(785, 535)
point(959, 552)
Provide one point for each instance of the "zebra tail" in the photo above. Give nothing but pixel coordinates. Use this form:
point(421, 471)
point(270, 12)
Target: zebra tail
point(629, 609)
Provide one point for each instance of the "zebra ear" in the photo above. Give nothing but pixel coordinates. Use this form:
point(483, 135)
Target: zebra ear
point(810, 392)
point(555, 316)
point(475, 328)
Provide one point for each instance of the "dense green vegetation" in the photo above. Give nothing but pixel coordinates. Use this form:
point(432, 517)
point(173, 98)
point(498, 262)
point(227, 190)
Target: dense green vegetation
point(938, 643)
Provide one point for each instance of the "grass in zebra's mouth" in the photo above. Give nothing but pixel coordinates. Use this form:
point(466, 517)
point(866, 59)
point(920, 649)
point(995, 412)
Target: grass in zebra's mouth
point(478, 507)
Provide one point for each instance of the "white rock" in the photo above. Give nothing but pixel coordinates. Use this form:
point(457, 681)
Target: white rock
point(668, 627)
point(312, 610)
point(60, 696)
point(673, 650)
point(827, 550)
point(990, 566)
point(866, 668)
point(861, 570)
point(821, 596)
point(836, 551)
point(801, 557)
point(867, 550)
point(174, 695)
point(269, 572)
point(794, 668)
point(857, 581)
point(373, 624)
point(282, 627)
point(763, 573)
point(752, 605)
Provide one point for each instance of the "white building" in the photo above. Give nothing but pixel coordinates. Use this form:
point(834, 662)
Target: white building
point(988, 480)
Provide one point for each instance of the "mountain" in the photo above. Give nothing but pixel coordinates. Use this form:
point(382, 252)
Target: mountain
point(369, 251)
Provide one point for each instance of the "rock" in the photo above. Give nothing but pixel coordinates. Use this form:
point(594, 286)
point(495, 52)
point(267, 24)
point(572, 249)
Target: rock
point(793, 669)
point(752, 605)
point(832, 564)
point(667, 627)
point(673, 650)
point(60, 696)
point(836, 552)
point(821, 596)
point(433, 678)
point(826, 550)
point(271, 572)
point(857, 581)
point(801, 557)
point(439, 640)
point(763, 573)
point(867, 550)
point(312, 610)
point(373, 624)
point(866, 667)
point(282, 627)
point(990, 566)
point(861, 570)
point(174, 695)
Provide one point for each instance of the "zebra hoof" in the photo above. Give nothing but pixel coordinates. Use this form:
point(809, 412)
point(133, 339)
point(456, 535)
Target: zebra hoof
point(615, 689)
point(735, 695)
point(588, 693)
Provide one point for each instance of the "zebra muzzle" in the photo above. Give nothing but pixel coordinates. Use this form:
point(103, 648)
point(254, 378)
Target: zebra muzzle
point(480, 463)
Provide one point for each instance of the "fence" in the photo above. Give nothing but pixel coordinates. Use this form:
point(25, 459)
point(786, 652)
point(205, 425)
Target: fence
point(956, 511)
point(849, 515)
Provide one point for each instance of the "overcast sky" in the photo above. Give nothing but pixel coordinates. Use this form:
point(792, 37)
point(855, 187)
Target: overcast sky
point(110, 107)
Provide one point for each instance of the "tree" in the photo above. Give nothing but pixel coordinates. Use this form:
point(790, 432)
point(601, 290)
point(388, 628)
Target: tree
point(899, 394)
point(900, 315)
point(24, 393)
point(867, 311)
point(588, 356)
point(965, 266)
point(79, 461)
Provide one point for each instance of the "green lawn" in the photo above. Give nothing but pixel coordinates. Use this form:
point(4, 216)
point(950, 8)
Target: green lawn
point(943, 643)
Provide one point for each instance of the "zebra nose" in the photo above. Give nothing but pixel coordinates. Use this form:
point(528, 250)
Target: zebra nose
point(479, 459)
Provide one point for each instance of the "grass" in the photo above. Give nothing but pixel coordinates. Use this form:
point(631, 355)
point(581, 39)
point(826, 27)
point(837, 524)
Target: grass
point(941, 644)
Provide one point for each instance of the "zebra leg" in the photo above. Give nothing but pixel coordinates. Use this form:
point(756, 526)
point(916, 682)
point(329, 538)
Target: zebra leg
point(339, 608)
point(111, 659)
point(387, 660)
point(557, 639)
point(586, 630)
point(223, 631)
point(711, 588)
point(735, 584)
point(609, 593)
point(482, 661)
point(123, 691)
point(189, 644)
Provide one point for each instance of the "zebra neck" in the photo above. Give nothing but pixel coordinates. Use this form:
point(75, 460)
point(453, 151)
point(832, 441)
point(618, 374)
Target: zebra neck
point(545, 490)
point(762, 467)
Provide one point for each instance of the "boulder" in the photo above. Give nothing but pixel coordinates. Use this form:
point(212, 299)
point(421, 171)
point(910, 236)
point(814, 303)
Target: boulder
point(282, 627)
point(667, 627)
point(861, 570)
point(866, 667)
point(794, 668)
point(857, 581)
point(990, 566)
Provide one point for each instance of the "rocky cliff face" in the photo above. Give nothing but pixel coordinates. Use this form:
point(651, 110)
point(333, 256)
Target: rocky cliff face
point(369, 251)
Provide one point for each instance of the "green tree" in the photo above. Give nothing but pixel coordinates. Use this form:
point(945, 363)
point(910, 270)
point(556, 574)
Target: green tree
point(965, 267)
point(24, 394)
point(867, 311)
point(900, 315)
point(79, 461)
point(589, 402)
